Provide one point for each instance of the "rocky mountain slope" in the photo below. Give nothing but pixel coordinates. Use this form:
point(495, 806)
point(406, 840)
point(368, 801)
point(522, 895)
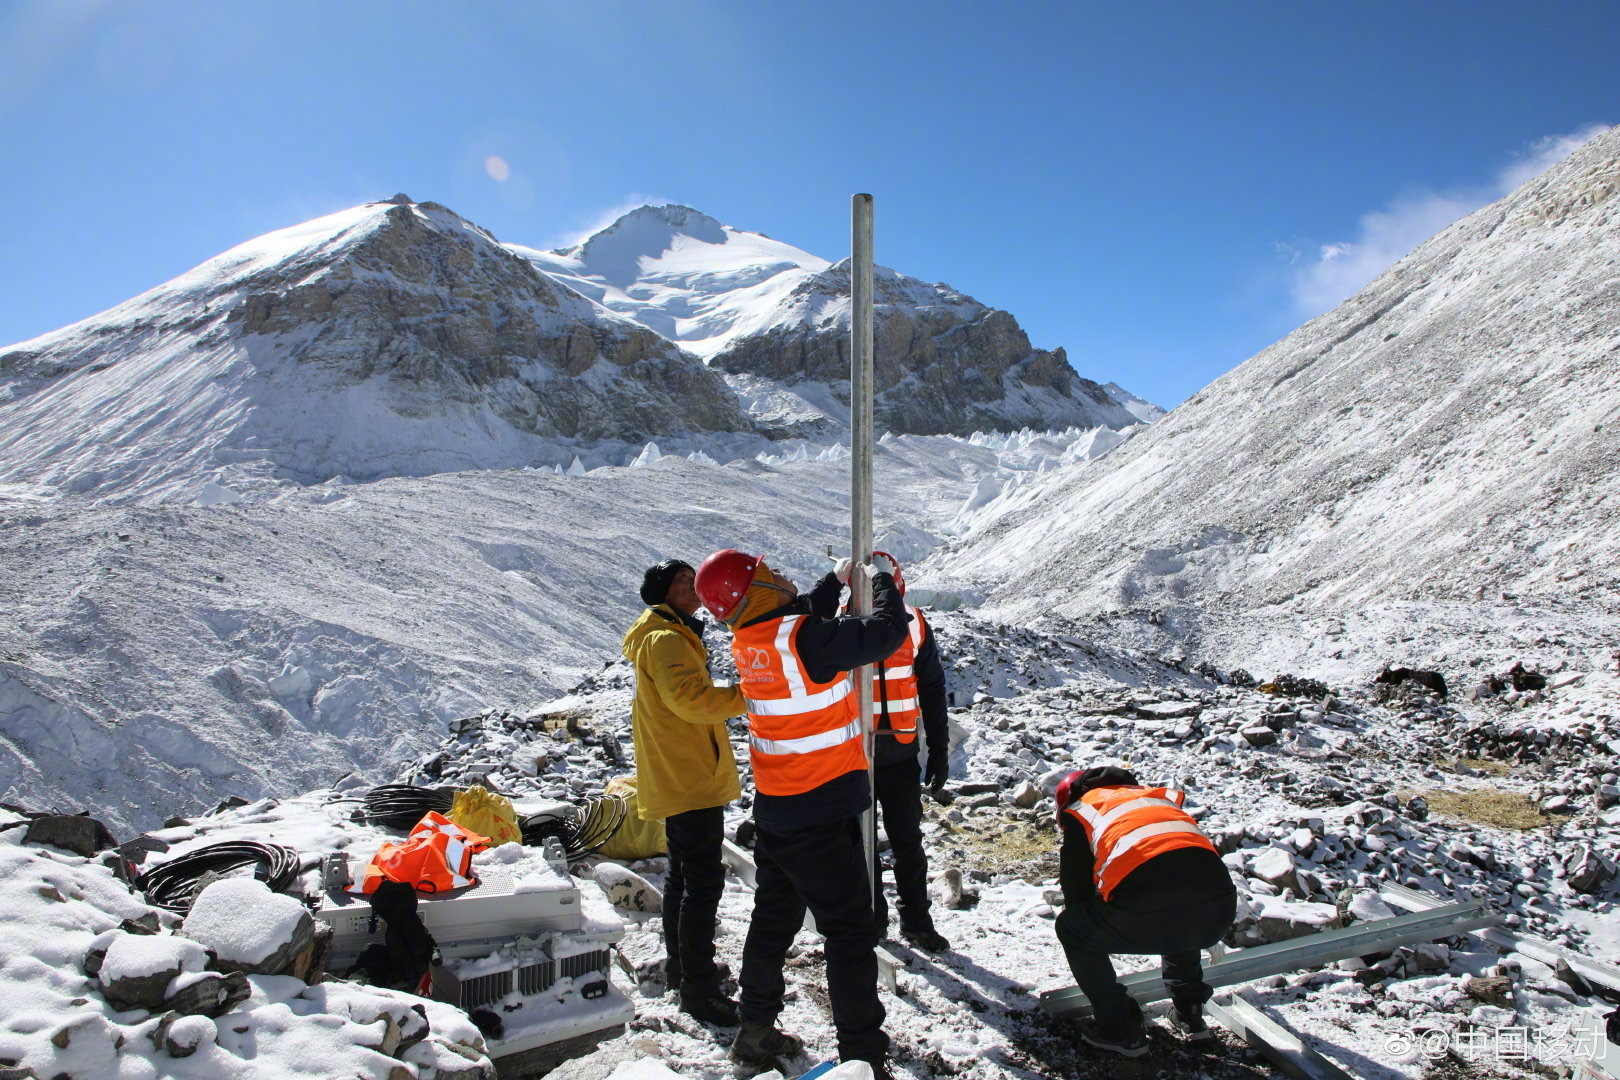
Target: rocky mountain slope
point(393, 338)
point(768, 313)
point(1446, 436)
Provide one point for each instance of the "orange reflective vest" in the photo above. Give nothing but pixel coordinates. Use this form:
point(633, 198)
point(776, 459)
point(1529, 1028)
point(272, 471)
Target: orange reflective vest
point(1127, 826)
point(801, 733)
point(435, 857)
point(897, 682)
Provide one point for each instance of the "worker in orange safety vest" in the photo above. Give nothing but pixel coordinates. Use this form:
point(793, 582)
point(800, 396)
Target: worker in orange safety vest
point(910, 685)
point(809, 762)
point(1138, 877)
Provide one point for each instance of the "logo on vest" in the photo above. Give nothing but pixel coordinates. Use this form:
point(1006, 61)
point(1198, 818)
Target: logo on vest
point(758, 659)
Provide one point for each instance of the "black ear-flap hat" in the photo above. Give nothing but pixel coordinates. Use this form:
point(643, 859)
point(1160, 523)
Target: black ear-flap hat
point(655, 583)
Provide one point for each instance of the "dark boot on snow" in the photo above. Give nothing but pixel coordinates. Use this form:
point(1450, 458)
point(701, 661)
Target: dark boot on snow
point(758, 1043)
point(1128, 1041)
point(925, 938)
point(710, 1006)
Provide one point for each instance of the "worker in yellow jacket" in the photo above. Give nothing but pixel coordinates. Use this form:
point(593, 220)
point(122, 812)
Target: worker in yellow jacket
point(685, 774)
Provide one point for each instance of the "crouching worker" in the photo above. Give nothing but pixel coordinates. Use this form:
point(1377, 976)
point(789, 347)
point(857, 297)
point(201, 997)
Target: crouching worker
point(1138, 877)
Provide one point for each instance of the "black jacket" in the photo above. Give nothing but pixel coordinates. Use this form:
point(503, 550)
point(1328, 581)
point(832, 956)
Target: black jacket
point(828, 646)
point(931, 692)
point(1176, 878)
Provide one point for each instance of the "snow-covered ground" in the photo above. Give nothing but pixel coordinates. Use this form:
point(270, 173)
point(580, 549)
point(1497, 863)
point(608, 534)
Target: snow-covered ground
point(271, 639)
point(1317, 798)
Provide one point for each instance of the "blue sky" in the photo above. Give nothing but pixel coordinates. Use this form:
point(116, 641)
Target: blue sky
point(1150, 185)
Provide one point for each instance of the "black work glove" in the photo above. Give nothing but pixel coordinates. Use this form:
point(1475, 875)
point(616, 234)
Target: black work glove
point(937, 768)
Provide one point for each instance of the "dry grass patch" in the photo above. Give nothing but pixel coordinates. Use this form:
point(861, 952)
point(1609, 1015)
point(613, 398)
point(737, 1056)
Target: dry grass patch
point(999, 843)
point(1488, 806)
point(1488, 766)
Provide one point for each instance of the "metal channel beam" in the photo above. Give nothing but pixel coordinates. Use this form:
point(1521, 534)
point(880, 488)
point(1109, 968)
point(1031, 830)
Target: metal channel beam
point(1604, 1062)
point(1593, 971)
point(1288, 1051)
point(1283, 956)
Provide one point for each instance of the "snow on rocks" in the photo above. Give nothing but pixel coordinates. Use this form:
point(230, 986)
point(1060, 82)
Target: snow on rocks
point(627, 889)
point(95, 984)
point(136, 969)
point(248, 928)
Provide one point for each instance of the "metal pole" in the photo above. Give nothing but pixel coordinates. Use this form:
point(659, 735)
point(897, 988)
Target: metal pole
point(860, 482)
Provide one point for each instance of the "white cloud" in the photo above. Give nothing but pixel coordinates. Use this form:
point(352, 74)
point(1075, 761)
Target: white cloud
point(1343, 267)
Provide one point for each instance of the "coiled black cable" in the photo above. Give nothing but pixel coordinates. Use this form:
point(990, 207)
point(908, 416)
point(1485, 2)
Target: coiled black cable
point(401, 806)
point(599, 818)
point(581, 830)
point(174, 885)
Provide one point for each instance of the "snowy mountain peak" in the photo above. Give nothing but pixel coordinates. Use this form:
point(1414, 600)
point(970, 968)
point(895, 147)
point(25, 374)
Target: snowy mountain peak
point(651, 230)
point(770, 314)
point(392, 338)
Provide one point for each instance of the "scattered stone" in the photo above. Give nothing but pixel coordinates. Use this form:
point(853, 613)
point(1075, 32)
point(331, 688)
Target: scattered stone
point(947, 890)
point(975, 787)
point(627, 889)
point(1558, 804)
point(187, 1034)
point(1277, 867)
point(1169, 710)
point(1586, 870)
point(1430, 956)
point(137, 969)
point(1490, 989)
point(78, 833)
point(1259, 736)
point(207, 993)
point(1025, 795)
point(1363, 905)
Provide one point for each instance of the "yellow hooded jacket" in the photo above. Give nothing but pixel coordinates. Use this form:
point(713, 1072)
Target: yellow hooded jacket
point(678, 719)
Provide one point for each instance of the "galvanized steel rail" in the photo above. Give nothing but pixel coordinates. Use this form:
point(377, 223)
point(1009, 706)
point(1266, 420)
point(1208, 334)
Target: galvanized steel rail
point(1277, 958)
point(1288, 1051)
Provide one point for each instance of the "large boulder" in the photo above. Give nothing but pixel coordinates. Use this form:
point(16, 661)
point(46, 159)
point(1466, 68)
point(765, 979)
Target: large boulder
point(248, 928)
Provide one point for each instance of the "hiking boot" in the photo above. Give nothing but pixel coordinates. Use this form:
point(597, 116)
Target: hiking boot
point(711, 1007)
point(757, 1043)
point(925, 938)
point(1190, 1025)
point(1127, 1042)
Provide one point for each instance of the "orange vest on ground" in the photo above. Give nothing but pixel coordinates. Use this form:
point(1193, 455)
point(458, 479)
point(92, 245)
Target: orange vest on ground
point(435, 857)
point(801, 733)
point(897, 682)
point(1127, 826)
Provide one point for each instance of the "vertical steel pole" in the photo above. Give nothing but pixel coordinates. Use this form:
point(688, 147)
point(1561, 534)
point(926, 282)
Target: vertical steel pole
point(860, 480)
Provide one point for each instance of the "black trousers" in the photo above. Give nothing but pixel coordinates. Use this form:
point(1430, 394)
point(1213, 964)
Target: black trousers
point(1093, 928)
point(691, 895)
point(899, 798)
point(822, 867)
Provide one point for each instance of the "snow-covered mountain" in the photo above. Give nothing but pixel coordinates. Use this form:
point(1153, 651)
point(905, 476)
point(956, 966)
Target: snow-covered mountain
point(1448, 435)
point(393, 338)
point(776, 320)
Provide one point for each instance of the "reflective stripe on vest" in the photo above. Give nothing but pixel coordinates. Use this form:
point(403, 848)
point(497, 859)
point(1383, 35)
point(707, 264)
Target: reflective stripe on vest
point(801, 733)
point(1127, 826)
point(897, 685)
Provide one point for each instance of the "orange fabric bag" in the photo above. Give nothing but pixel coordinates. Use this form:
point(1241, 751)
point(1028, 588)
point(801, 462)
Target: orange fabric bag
point(435, 857)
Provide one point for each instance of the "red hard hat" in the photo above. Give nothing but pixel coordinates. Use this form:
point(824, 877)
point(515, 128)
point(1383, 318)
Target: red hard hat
point(899, 578)
point(723, 580)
